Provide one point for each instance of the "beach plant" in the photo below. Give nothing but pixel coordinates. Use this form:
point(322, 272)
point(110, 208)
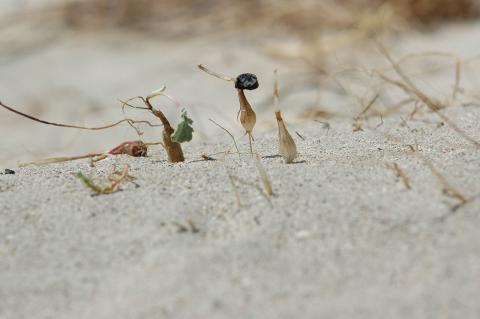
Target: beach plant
point(245, 81)
point(286, 145)
point(171, 138)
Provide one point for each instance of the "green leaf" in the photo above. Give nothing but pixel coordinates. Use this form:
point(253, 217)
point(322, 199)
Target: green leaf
point(184, 130)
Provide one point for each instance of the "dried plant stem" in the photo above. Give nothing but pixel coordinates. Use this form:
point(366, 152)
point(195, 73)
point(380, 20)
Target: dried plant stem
point(258, 188)
point(215, 74)
point(130, 121)
point(458, 66)
point(132, 148)
point(231, 178)
point(114, 181)
point(267, 184)
point(357, 125)
point(250, 142)
point(228, 132)
point(59, 159)
point(448, 189)
point(410, 88)
point(400, 174)
point(173, 149)
point(286, 145)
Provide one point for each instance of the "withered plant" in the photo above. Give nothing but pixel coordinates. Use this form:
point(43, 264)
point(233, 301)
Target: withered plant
point(112, 184)
point(171, 138)
point(245, 81)
point(286, 145)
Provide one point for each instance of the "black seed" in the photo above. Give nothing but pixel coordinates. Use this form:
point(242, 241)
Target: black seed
point(246, 81)
point(9, 171)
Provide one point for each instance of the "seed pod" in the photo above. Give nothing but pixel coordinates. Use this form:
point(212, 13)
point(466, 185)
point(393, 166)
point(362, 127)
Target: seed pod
point(135, 149)
point(286, 144)
point(248, 118)
point(246, 81)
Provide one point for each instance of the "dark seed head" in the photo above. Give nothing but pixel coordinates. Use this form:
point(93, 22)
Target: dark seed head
point(246, 81)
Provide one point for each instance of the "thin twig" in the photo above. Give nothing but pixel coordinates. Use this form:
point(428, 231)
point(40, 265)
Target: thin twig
point(228, 132)
point(400, 174)
point(73, 126)
point(215, 74)
point(409, 87)
point(267, 184)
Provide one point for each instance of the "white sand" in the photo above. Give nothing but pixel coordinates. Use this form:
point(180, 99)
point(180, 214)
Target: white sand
point(341, 238)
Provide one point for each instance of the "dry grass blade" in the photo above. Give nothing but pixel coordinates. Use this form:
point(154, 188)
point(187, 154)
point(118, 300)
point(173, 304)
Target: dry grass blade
point(409, 87)
point(357, 124)
point(59, 159)
point(228, 132)
point(286, 145)
point(131, 148)
point(231, 178)
point(400, 174)
point(458, 66)
point(264, 176)
point(113, 184)
point(73, 126)
point(447, 188)
point(215, 74)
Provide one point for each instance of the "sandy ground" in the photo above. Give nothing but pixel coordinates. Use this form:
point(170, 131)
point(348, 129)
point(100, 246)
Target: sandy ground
point(342, 238)
point(76, 78)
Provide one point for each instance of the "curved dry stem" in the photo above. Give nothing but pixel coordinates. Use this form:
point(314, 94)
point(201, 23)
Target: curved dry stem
point(59, 159)
point(275, 91)
point(161, 92)
point(408, 86)
point(69, 125)
point(125, 103)
point(215, 74)
point(458, 65)
point(228, 132)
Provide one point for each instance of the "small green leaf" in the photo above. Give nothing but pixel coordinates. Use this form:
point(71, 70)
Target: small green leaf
point(184, 130)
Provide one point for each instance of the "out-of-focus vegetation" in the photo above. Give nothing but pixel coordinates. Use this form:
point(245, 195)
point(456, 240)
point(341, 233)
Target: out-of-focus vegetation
point(202, 16)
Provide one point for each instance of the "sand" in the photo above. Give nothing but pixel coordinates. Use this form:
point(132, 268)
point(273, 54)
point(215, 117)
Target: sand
point(344, 236)
point(341, 238)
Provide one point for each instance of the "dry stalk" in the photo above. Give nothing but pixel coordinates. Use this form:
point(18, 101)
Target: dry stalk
point(113, 184)
point(286, 145)
point(447, 188)
point(173, 149)
point(130, 121)
point(357, 123)
point(400, 174)
point(458, 66)
point(245, 81)
point(228, 132)
point(264, 176)
point(134, 148)
point(409, 87)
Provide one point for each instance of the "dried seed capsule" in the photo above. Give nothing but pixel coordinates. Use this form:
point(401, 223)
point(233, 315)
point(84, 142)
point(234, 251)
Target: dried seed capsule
point(246, 81)
point(247, 114)
point(286, 144)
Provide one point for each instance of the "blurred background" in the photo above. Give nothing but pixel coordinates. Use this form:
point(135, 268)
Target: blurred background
point(70, 62)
